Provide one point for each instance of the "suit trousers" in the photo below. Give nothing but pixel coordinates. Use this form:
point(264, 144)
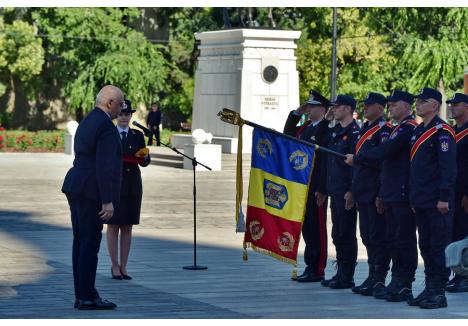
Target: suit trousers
point(401, 239)
point(435, 233)
point(87, 235)
point(372, 227)
point(343, 229)
point(460, 223)
point(314, 232)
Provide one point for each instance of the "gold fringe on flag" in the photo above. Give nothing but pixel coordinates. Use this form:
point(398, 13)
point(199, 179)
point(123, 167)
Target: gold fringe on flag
point(270, 253)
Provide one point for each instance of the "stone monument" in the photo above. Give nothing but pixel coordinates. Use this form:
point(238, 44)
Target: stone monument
point(252, 71)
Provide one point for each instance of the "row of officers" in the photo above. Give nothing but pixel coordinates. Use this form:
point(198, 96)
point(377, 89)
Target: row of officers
point(401, 179)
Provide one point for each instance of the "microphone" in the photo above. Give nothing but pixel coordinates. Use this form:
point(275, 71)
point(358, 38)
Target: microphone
point(147, 132)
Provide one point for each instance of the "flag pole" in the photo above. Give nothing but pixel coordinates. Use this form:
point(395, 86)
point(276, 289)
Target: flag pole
point(233, 117)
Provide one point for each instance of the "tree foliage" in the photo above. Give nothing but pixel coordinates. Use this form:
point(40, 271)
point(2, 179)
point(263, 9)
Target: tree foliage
point(21, 53)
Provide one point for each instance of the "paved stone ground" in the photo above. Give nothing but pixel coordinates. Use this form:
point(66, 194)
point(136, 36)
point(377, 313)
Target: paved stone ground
point(35, 255)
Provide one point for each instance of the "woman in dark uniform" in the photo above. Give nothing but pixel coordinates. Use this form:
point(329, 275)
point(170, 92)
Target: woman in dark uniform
point(127, 213)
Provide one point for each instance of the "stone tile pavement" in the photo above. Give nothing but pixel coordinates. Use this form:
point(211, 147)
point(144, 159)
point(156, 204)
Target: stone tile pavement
point(35, 256)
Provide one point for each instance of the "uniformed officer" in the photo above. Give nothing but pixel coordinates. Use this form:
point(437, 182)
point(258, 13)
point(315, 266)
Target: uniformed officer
point(433, 170)
point(459, 109)
point(314, 227)
point(128, 213)
point(339, 179)
point(394, 179)
point(365, 188)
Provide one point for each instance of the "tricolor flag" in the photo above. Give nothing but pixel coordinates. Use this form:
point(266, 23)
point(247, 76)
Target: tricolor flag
point(278, 186)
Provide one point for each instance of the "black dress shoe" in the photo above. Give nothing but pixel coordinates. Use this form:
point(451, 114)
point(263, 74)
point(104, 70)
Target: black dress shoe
point(126, 277)
point(310, 277)
point(116, 277)
point(96, 304)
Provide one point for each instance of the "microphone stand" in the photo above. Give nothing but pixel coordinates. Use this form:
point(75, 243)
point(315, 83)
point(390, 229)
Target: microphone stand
point(194, 165)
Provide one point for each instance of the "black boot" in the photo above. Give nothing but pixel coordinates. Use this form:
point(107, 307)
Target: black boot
point(436, 298)
point(367, 282)
point(422, 296)
point(380, 291)
point(345, 279)
point(335, 277)
point(457, 284)
point(399, 289)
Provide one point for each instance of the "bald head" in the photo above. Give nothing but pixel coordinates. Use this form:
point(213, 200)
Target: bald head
point(110, 99)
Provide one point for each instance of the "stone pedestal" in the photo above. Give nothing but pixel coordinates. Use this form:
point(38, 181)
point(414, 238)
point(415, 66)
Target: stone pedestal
point(70, 137)
point(208, 154)
point(252, 71)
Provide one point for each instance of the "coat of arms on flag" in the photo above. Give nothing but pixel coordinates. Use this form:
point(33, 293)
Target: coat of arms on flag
point(278, 186)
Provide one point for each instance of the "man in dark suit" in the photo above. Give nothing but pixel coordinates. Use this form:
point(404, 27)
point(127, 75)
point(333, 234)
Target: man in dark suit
point(92, 187)
point(153, 121)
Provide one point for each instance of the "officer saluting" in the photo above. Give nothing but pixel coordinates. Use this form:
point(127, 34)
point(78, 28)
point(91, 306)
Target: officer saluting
point(459, 108)
point(339, 179)
point(432, 182)
point(365, 189)
point(314, 228)
point(394, 180)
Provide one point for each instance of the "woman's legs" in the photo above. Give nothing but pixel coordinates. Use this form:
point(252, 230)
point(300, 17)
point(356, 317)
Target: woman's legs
point(112, 246)
point(125, 242)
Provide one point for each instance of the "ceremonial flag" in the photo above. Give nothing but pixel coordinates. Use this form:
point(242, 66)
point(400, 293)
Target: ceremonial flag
point(279, 177)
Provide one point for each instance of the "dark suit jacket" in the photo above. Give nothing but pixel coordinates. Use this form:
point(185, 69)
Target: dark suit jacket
point(131, 182)
point(97, 169)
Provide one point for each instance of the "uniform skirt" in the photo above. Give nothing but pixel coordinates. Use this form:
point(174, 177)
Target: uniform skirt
point(128, 212)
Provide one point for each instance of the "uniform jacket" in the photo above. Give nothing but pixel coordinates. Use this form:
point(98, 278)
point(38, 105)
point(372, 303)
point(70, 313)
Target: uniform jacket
point(462, 159)
point(339, 174)
point(366, 182)
point(97, 169)
point(154, 119)
point(319, 135)
point(131, 176)
point(433, 166)
point(395, 168)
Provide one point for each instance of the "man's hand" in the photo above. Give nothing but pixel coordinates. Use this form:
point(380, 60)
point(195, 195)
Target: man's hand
point(443, 207)
point(320, 198)
point(106, 212)
point(464, 203)
point(349, 200)
point(301, 110)
point(349, 159)
point(380, 206)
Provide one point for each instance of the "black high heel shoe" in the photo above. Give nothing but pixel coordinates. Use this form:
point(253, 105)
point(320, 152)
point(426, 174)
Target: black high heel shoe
point(125, 277)
point(116, 277)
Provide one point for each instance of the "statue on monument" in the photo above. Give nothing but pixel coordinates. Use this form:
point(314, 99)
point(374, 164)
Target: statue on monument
point(250, 13)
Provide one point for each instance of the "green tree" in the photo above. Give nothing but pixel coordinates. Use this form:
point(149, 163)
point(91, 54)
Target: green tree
point(21, 59)
point(91, 47)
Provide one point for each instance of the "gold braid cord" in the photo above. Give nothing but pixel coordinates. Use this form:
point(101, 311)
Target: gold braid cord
point(233, 117)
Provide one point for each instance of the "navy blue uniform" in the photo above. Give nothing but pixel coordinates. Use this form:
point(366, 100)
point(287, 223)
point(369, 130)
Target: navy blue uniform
point(94, 179)
point(365, 187)
point(339, 180)
point(128, 212)
point(460, 227)
point(432, 179)
point(153, 121)
point(314, 227)
point(394, 192)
